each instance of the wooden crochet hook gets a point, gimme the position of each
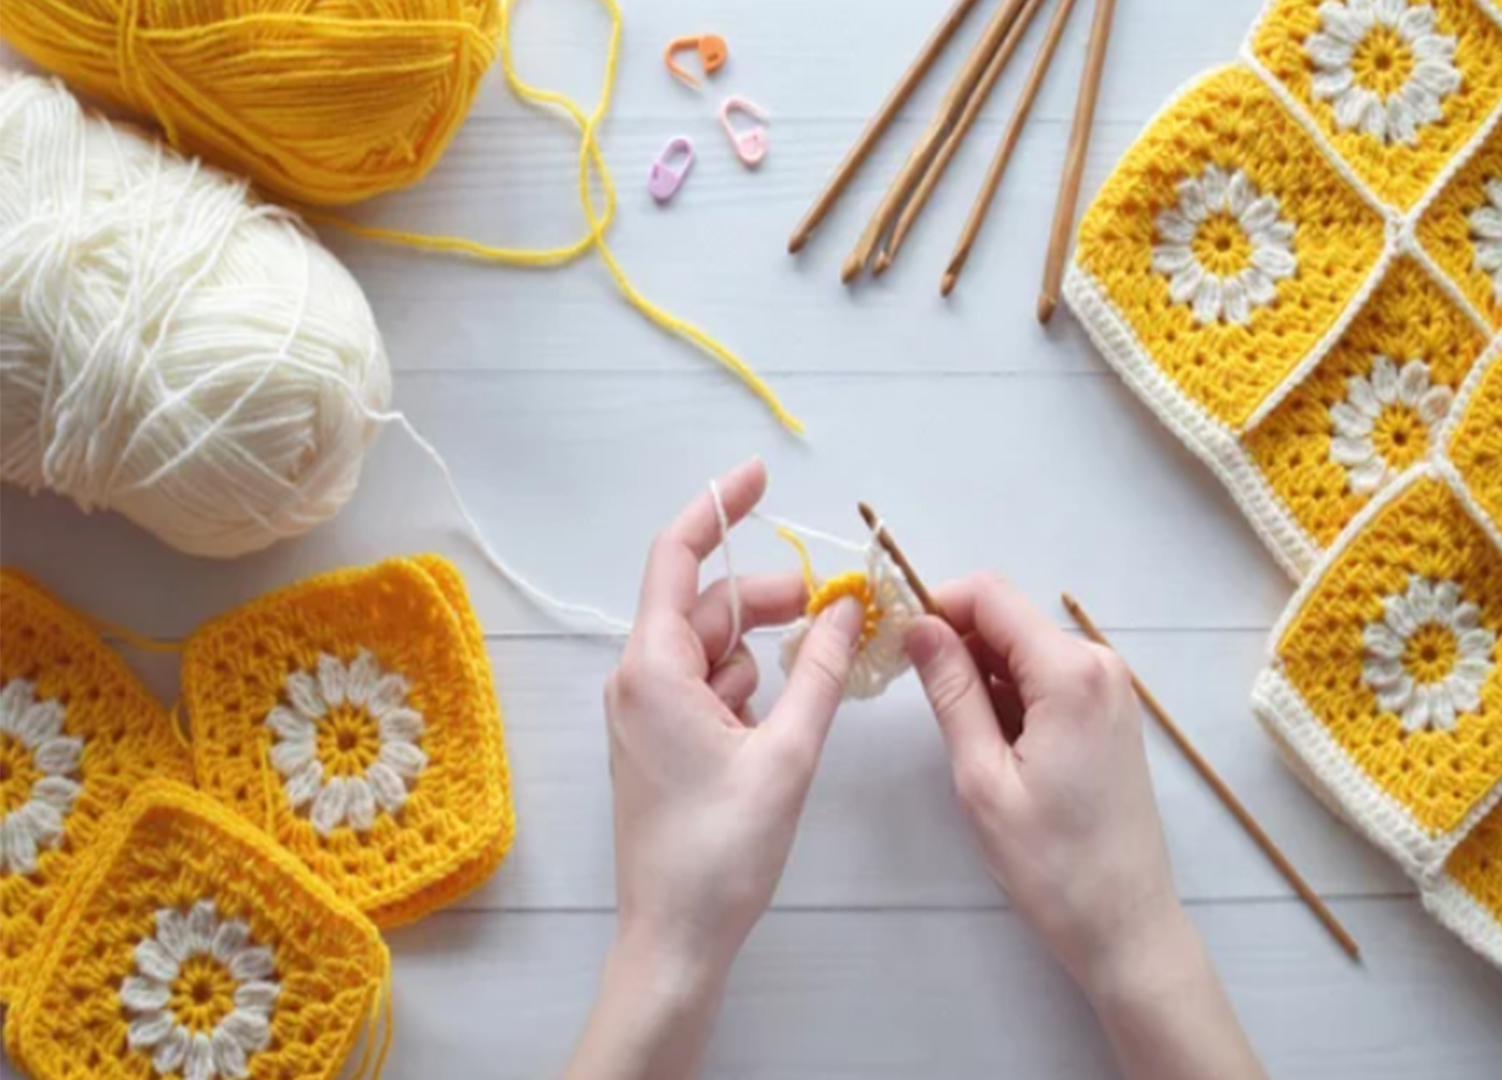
(1225, 794)
(889, 545)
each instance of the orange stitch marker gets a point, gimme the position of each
(713, 52)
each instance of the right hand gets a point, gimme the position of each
(1044, 734)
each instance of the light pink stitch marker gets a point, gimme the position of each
(664, 180)
(749, 145)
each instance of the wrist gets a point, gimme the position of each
(667, 981)
(1148, 956)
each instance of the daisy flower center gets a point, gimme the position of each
(1400, 436)
(18, 773)
(1221, 246)
(1383, 63)
(349, 741)
(857, 587)
(203, 994)
(1431, 654)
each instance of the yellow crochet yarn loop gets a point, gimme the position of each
(589, 154)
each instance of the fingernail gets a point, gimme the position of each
(923, 642)
(847, 617)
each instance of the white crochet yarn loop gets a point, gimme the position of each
(169, 348)
(32, 739)
(1486, 232)
(230, 963)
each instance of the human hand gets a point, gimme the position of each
(1064, 811)
(707, 803)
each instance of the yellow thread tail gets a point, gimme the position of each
(803, 557)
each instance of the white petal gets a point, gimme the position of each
(1351, 452)
(1487, 223)
(1364, 12)
(1329, 52)
(1238, 307)
(1489, 257)
(291, 725)
(1399, 614)
(1350, 422)
(140, 994)
(1260, 214)
(407, 760)
(172, 934)
(1238, 194)
(333, 679)
(199, 1064)
(171, 1051)
(390, 694)
(302, 786)
(303, 693)
(1259, 287)
(1382, 673)
(360, 808)
(401, 725)
(1175, 228)
(1477, 643)
(59, 756)
(155, 961)
(1380, 641)
(1437, 77)
(229, 939)
(1434, 406)
(147, 1030)
(1330, 84)
(387, 786)
(1385, 380)
(1402, 123)
(252, 965)
(1395, 699)
(1390, 12)
(1466, 617)
(1192, 203)
(1446, 602)
(1351, 107)
(258, 996)
(329, 806)
(1207, 304)
(1417, 22)
(44, 820)
(1421, 601)
(1494, 192)
(1435, 47)
(289, 757)
(247, 1028)
(1169, 259)
(58, 791)
(1374, 120)
(15, 697)
(1362, 397)
(40, 722)
(1186, 283)
(1368, 477)
(1413, 383)
(1340, 24)
(363, 673)
(18, 849)
(229, 1055)
(1425, 105)
(203, 924)
(1216, 183)
(1275, 262)
(1416, 716)
(1441, 711)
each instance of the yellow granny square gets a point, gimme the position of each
(1476, 439)
(78, 734)
(1397, 87)
(1467, 897)
(1220, 255)
(1370, 411)
(1385, 679)
(353, 715)
(191, 946)
(1462, 229)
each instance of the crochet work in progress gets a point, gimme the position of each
(1298, 266)
(354, 715)
(192, 946)
(78, 734)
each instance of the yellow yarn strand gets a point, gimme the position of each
(804, 561)
(599, 223)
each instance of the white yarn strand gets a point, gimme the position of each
(732, 586)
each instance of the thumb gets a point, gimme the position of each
(958, 692)
(816, 683)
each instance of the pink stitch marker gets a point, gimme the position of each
(749, 145)
(663, 179)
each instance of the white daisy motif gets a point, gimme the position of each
(1224, 247)
(1486, 230)
(1383, 66)
(1429, 657)
(890, 609)
(346, 743)
(38, 776)
(201, 997)
(1386, 422)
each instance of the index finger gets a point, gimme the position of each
(670, 584)
(1032, 648)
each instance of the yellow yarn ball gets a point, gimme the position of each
(324, 101)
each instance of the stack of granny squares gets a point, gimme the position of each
(1298, 266)
(209, 905)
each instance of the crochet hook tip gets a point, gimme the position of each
(852, 268)
(1047, 305)
(947, 284)
(797, 242)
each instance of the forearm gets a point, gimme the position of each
(652, 1019)
(1167, 1015)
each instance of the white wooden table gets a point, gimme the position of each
(575, 429)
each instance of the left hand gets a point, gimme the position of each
(707, 802)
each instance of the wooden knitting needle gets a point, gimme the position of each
(1225, 794)
(951, 144)
(878, 125)
(1074, 165)
(912, 169)
(914, 582)
(1004, 152)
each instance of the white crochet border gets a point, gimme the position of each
(1459, 912)
(1278, 704)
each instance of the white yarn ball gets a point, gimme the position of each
(170, 348)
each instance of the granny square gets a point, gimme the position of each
(192, 946)
(1461, 230)
(78, 734)
(354, 717)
